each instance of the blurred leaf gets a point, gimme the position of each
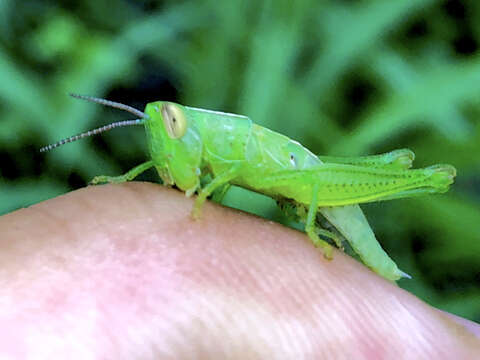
(455, 222)
(402, 77)
(447, 84)
(363, 26)
(25, 193)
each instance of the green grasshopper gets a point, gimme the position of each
(205, 152)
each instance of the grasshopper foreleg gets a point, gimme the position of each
(219, 193)
(217, 182)
(130, 175)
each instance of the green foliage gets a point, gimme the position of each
(343, 78)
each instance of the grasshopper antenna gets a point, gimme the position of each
(99, 130)
(93, 132)
(113, 104)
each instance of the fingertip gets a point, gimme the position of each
(226, 283)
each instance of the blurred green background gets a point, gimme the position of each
(341, 77)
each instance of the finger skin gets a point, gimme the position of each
(123, 272)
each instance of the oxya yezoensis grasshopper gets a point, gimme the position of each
(190, 146)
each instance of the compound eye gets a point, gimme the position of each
(174, 120)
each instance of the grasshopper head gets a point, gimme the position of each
(175, 144)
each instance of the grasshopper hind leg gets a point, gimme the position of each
(310, 227)
(335, 238)
(313, 228)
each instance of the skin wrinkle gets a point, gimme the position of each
(403, 318)
(280, 277)
(245, 318)
(378, 310)
(347, 315)
(147, 281)
(262, 282)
